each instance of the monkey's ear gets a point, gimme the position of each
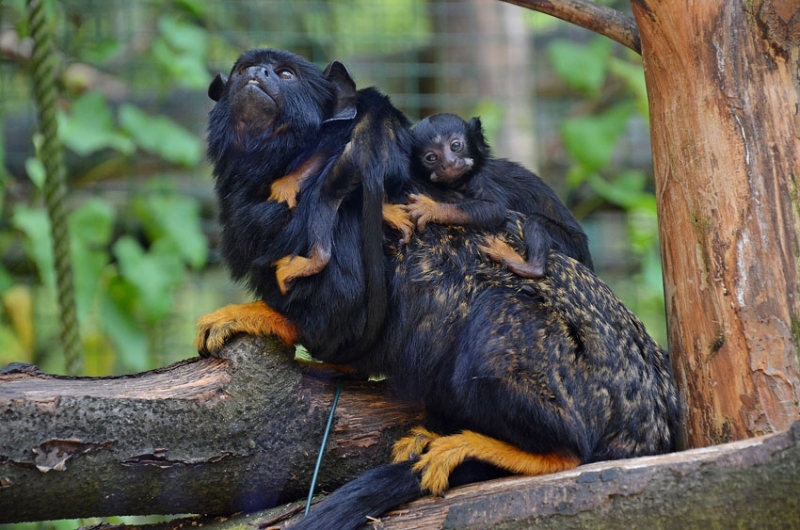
(475, 128)
(345, 106)
(217, 86)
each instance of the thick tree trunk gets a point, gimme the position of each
(202, 436)
(722, 79)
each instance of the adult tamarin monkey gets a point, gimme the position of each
(518, 375)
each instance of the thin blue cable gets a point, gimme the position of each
(322, 447)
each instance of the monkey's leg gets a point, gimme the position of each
(286, 189)
(256, 318)
(396, 216)
(448, 452)
(289, 268)
(411, 446)
(501, 252)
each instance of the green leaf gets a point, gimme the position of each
(175, 218)
(182, 51)
(36, 172)
(92, 223)
(633, 77)
(625, 191)
(591, 140)
(119, 324)
(34, 224)
(89, 127)
(161, 136)
(152, 274)
(90, 228)
(581, 66)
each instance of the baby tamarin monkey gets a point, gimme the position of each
(453, 154)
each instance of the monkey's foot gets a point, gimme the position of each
(413, 445)
(501, 252)
(448, 452)
(396, 216)
(425, 210)
(289, 268)
(257, 318)
(286, 189)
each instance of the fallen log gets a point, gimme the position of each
(208, 436)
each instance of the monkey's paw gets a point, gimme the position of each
(396, 216)
(422, 209)
(285, 189)
(257, 318)
(412, 446)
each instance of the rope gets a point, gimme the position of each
(55, 190)
(322, 447)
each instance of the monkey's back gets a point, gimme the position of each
(548, 365)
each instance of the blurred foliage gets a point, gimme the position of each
(124, 279)
(592, 138)
(134, 257)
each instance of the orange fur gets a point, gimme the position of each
(286, 189)
(501, 252)
(425, 210)
(289, 268)
(448, 452)
(410, 447)
(397, 216)
(256, 318)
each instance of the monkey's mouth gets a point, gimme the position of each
(256, 84)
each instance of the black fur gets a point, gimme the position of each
(264, 127)
(488, 187)
(556, 364)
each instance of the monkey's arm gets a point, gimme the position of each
(467, 212)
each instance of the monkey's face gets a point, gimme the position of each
(270, 91)
(447, 159)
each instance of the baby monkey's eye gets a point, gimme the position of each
(456, 146)
(431, 158)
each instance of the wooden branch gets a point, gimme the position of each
(595, 17)
(747, 484)
(238, 433)
(241, 433)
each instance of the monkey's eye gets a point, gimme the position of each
(431, 158)
(285, 73)
(242, 68)
(456, 146)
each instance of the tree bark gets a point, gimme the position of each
(237, 433)
(241, 433)
(722, 78)
(747, 484)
